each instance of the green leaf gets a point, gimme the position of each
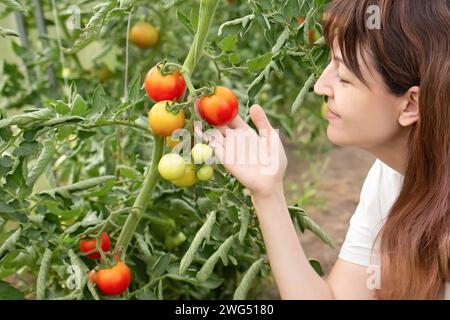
(259, 63)
(41, 283)
(9, 243)
(62, 108)
(202, 234)
(26, 148)
(8, 292)
(45, 157)
(307, 223)
(13, 4)
(160, 266)
(317, 267)
(298, 102)
(234, 58)
(209, 265)
(229, 43)
(186, 22)
(26, 118)
(6, 208)
(248, 280)
(129, 172)
(79, 106)
(8, 33)
(78, 186)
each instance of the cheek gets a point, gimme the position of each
(365, 122)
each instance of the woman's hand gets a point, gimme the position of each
(256, 159)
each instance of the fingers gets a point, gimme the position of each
(218, 150)
(238, 123)
(260, 120)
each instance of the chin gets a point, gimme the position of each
(337, 138)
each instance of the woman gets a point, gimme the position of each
(388, 92)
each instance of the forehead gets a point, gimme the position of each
(366, 64)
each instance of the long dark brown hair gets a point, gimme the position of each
(411, 48)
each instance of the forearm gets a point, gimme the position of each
(295, 277)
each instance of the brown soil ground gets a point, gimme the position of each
(339, 186)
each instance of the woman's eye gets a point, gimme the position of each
(342, 80)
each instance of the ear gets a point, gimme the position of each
(409, 112)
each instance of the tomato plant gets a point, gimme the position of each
(80, 148)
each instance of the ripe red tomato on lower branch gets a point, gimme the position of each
(114, 280)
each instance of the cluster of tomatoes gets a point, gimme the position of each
(111, 280)
(166, 88)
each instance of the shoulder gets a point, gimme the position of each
(379, 192)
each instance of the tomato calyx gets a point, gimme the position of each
(166, 68)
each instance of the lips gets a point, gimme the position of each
(333, 112)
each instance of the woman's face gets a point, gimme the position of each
(366, 116)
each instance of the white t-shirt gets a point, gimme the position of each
(379, 192)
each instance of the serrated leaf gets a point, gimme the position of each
(79, 106)
(259, 63)
(202, 234)
(209, 265)
(228, 44)
(78, 186)
(9, 243)
(160, 266)
(186, 22)
(41, 282)
(45, 157)
(248, 280)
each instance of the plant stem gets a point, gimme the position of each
(206, 15)
(143, 197)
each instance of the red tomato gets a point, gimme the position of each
(114, 280)
(164, 87)
(219, 108)
(90, 244)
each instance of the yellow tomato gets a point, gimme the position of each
(162, 121)
(144, 35)
(188, 179)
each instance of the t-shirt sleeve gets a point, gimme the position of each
(357, 246)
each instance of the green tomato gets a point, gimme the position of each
(201, 153)
(188, 179)
(171, 166)
(205, 173)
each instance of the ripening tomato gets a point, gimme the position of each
(201, 153)
(171, 166)
(313, 35)
(144, 35)
(114, 280)
(188, 179)
(90, 244)
(164, 87)
(205, 173)
(162, 121)
(219, 108)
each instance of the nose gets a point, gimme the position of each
(323, 85)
